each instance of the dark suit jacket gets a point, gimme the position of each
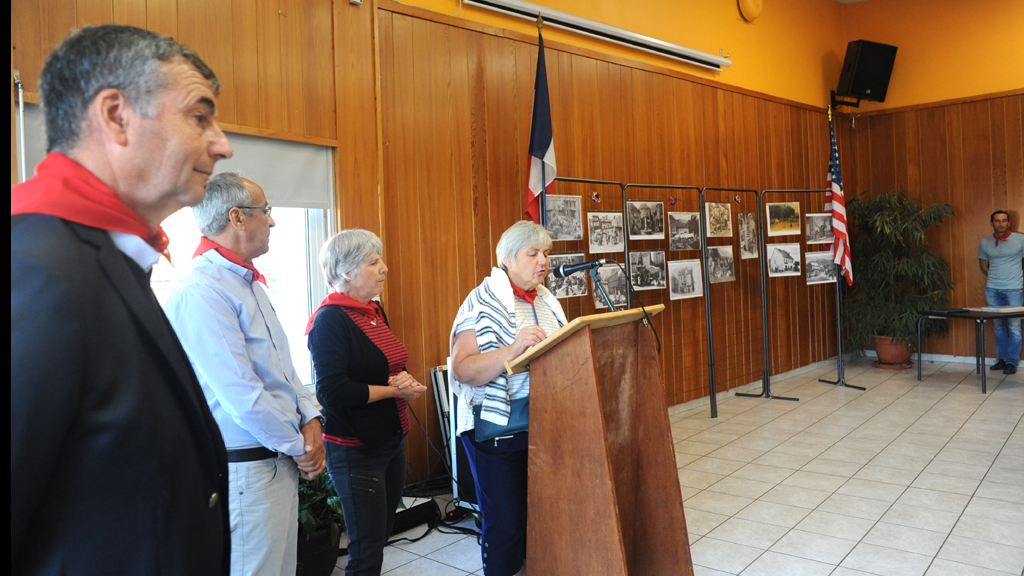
(117, 466)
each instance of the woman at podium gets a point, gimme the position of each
(507, 314)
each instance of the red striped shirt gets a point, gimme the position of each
(396, 353)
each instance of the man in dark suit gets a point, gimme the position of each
(117, 466)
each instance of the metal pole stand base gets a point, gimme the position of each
(766, 391)
(841, 383)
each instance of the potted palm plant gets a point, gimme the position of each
(897, 275)
(320, 523)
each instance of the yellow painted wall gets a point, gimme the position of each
(947, 48)
(792, 51)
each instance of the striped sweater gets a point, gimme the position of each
(490, 311)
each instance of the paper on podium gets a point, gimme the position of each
(520, 363)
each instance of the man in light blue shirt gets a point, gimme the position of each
(1001, 256)
(239, 351)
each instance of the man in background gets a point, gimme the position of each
(237, 346)
(117, 466)
(1001, 256)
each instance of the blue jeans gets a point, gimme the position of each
(369, 482)
(1008, 334)
(499, 468)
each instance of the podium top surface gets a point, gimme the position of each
(521, 363)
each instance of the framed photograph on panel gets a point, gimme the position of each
(783, 260)
(719, 215)
(614, 282)
(647, 270)
(819, 228)
(646, 220)
(783, 218)
(572, 285)
(721, 265)
(821, 269)
(684, 280)
(748, 235)
(684, 231)
(605, 232)
(565, 217)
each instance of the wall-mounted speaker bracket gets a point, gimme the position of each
(836, 102)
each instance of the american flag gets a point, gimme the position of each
(836, 203)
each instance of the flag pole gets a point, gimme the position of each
(840, 363)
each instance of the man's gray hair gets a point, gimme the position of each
(99, 57)
(224, 191)
(520, 235)
(344, 252)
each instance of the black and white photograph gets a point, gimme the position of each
(719, 215)
(647, 270)
(646, 220)
(684, 279)
(572, 285)
(819, 228)
(748, 235)
(721, 265)
(684, 231)
(565, 217)
(783, 260)
(605, 232)
(783, 218)
(614, 282)
(821, 269)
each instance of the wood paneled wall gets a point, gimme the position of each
(967, 153)
(456, 103)
(274, 58)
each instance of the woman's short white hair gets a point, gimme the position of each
(520, 235)
(344, 252)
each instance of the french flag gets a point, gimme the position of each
(542, 140)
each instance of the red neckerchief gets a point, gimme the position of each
(528, 296)
(206, 245)
(64, 188)
(370, 311)
(1004, 237)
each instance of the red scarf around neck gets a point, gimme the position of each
(206, 245)
(64, 188)
(1005, 237)
(528, 296)
(370, 311)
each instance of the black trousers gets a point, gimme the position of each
(499, 468)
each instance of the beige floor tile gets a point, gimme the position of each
(836, 525)
(741, 487)
(717, 503)
(871, 489)
(985, 554)
(998, 531)
(942, 567)
(815, 481)
(700, 522)
(1000, 491)
(774, 564)
(833, 467)
(760, 472)
(425, 567)
(924, 518)
(888, 475)
(796, 496)
(854, 506)
(721, 555)
(886, 561)
(464, 555)
(773, 513)
(817, 547)
(714, 465)
(935, 500)
(748, 533)
(697, 479)
(905, 538)
(928, 481)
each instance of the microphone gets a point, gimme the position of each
(567, 269)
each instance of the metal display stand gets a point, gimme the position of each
(707, 308)
(840, 367)
(766, 386)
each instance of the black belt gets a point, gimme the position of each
(250, 454)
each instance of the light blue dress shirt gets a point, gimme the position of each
(239, 351)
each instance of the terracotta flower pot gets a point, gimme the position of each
(892, 355)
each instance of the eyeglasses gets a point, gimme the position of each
(265, 209)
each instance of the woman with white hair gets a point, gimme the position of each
(507, 314)
(363, 387)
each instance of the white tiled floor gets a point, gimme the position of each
(906, 479)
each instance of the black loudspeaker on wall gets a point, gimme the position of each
(866, 70)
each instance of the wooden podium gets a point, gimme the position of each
(604, 494)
